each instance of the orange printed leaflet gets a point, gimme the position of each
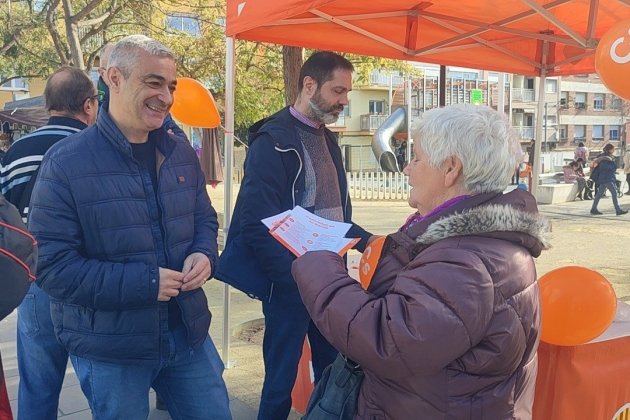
(301, 231)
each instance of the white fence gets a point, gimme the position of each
(378, 185)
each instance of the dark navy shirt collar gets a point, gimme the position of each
(67, 121)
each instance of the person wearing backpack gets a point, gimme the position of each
(18, 259)
(71, 102)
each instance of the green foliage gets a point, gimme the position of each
(26, 47)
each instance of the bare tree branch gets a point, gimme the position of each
(25, 76)
(54, 34)
(11, 42)
(83, 13)
(107, 16)
(104, 24)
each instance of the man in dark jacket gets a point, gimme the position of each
(127, 238)
(605, 178)
(71, 103)
(292, 160)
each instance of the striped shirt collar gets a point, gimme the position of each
(304, 119)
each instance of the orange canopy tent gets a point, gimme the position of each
(532, 37)
(501, 35)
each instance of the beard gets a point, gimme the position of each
(322, 111)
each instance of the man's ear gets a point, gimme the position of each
(453, 169)
(90, 107)
(309, 86)
(114, 77)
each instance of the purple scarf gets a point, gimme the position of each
(417, 217)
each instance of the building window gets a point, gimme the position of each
(598, 132)
(613, 132)
(615, 103)
(551, 85)
(183, 23)
(346, 111)
(563, 132)
(598, 101)
(564, 100)
(15, 84)
(580, 100)
(549, 121)
(580, 133)
(376, 107)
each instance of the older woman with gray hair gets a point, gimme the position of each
(449, 326)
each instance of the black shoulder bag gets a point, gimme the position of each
(336, 394)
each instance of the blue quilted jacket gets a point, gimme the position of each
(96, 218)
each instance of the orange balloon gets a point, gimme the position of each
(369, 261)
(194, 105)
(612, 59)
(578, 305)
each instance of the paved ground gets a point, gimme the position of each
(598, 242)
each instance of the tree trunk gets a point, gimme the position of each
(72, 34)
(291, 64)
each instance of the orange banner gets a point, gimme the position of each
(589, 381)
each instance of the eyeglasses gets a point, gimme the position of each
(91, 97)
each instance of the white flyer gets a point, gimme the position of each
(301, 231)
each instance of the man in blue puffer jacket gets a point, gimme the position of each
(127, 238)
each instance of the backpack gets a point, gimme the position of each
(18, 256)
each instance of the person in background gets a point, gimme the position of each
(293, 159)
(626, 168)
(449, 325)
(581, 152)
(71, 102)
(605, 177)
(127, 238)
(573, 173)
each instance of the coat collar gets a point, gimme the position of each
(163, 141)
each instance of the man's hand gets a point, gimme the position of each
(170, 283)
(197, 269)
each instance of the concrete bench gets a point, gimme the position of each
(556, 193)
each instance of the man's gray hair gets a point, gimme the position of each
(125, 53)
(479, 136)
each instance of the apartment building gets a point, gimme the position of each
(575, 108)
(371, 102)
(589, 113)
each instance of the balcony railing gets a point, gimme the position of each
(371, 122)
(341, 122)
(526, 132)
(382, 79)
(523, 95)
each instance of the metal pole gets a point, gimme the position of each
(501, 92)
(229, 163)
(408, 151)
(391, 92)
(442, 87)
(545, 126)
(541, 100)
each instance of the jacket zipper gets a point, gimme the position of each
(298, 172)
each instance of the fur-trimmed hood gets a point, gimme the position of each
(513, 217)
(488, 219)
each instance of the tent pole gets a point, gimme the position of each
(442, 88)
(539, 112)
(229, 163)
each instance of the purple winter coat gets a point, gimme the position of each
(449, 326)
